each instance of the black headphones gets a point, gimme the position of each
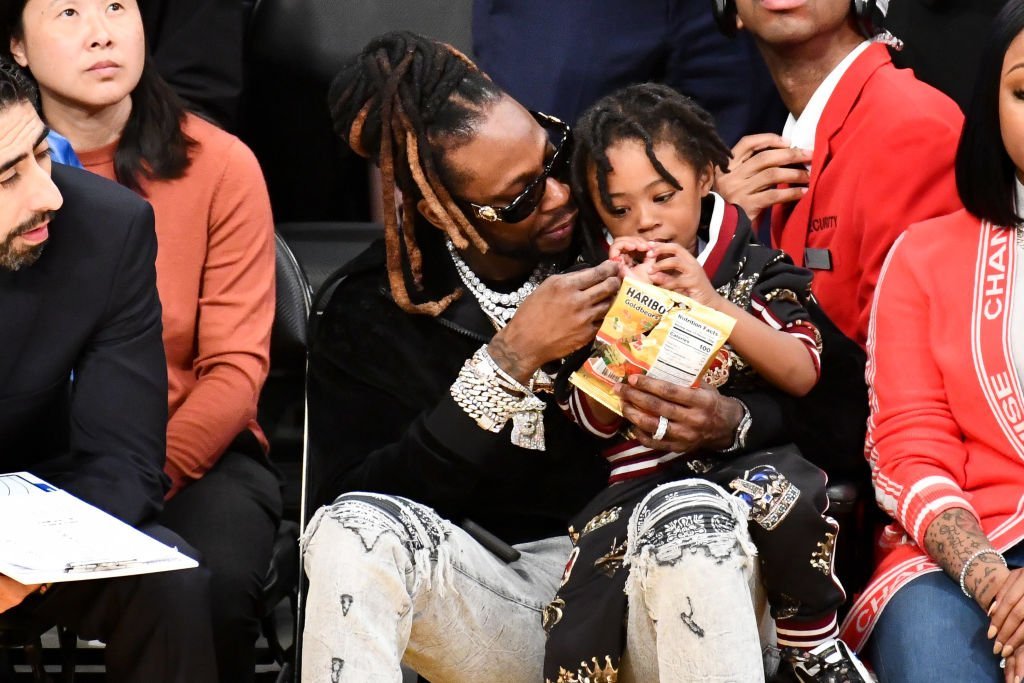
(870, 15)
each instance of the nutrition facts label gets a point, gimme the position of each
(686, 350)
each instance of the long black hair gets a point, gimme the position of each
(649, 113)
(984, 171)
(402, 102)
(153, 144)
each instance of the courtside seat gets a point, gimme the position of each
(323, 247)
(316, 249)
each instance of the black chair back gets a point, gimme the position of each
(322, 248)
(282, 416)
(314, 37)
(294, 298)
(282, 402)
(316, 250)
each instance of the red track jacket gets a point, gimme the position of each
(947, 408)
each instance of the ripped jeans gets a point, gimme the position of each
(390, 581)
(697, 609)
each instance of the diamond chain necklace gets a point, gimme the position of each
(499, 306)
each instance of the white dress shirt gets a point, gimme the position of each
(800, 131)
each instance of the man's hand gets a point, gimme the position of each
(13, 593)
(562, 315)
(698, 417)
(759, 163)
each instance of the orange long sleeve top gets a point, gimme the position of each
(215, 277)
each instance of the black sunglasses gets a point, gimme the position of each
(526, 201)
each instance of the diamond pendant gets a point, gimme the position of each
(528, 429)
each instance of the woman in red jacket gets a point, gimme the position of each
(946, 434)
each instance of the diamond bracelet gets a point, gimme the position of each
(490, 396)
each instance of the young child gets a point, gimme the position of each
(643, 167)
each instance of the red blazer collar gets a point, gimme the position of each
(838, 109)
(846, 95)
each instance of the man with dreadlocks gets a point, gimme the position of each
(429, 376)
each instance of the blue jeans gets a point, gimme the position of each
(930, 632)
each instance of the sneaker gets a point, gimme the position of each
(831, 662)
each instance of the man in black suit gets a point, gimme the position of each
(83, 392)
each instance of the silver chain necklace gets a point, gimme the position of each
(498, 306)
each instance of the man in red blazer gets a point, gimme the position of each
(867, 151)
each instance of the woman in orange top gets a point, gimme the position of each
(215, 276)
(946, 433)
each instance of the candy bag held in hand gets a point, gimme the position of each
(650, 330)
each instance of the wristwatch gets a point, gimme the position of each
(739, 440)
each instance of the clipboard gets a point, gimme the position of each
(48, 535)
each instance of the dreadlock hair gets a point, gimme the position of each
(402, 102)
(649, 113)
(153, 143)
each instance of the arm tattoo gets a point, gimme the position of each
(509, 360)
(951, 539)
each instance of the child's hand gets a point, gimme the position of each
(630, 250)
(676, 269)
(633, 256)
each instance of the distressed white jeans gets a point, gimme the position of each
(390, 581)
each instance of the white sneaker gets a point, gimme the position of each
(831, 662)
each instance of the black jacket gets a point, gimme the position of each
(382, 418)
(83, 380)
(829, 424)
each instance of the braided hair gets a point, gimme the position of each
(649, 113)
(402, 102)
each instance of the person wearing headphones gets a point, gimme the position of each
(867, 150)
